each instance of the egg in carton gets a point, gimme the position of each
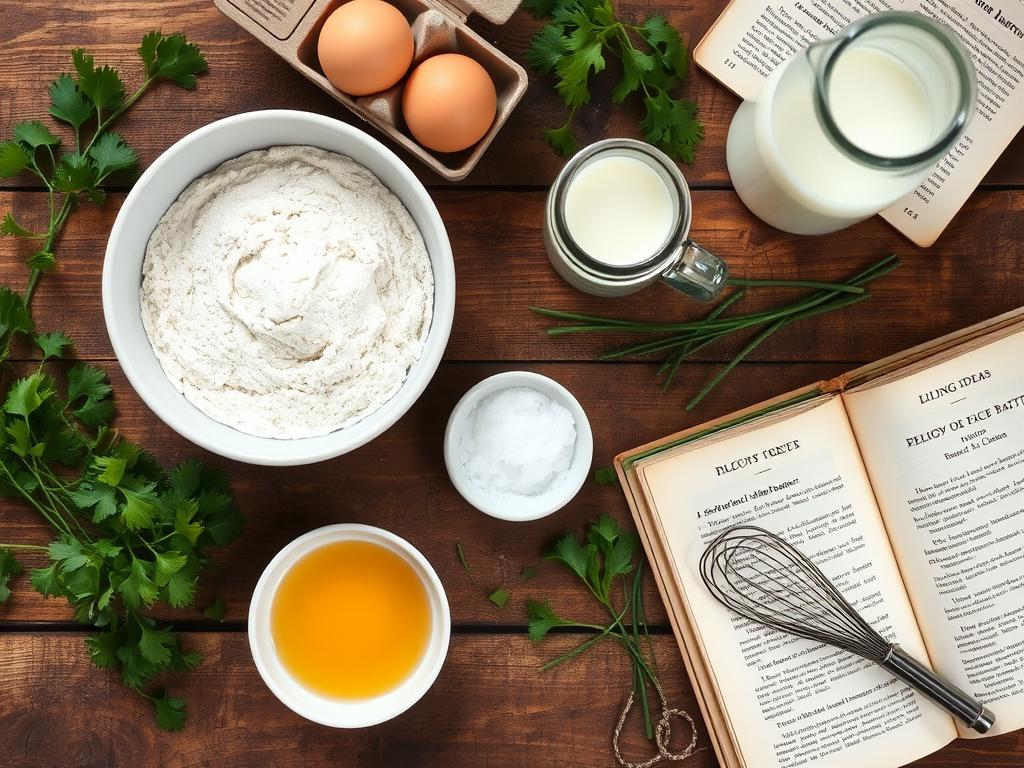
(291, 28)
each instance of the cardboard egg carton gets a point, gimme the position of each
(291, 29)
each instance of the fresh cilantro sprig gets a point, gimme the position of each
(576, 45)
(89, 101)
(602, 561)
(129, 534)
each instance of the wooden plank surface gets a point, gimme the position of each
(502, 270)
(491, 706)
(624, 408)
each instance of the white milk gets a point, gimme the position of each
(619, 210)
(790, 173)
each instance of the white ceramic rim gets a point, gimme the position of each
(552, 500)
(260, 450)
(340, 713)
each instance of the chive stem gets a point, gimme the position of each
(681, 340)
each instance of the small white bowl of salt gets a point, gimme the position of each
(518, 446)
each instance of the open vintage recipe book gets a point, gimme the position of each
(752, 37)
(904, 482)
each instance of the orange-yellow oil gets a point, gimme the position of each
(351, 620)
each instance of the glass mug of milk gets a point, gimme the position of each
(850, 125)
(618, 220)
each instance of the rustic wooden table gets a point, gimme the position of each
(491, 706)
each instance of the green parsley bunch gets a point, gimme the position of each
(653, 59)
(129, 533)
(602, 561)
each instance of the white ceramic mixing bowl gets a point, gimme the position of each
(162, 183)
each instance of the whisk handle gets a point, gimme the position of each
(955, 701)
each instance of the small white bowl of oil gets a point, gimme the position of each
(349, 626)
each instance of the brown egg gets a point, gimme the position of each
(449, 103)
(365, 46)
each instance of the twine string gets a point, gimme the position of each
(662, 732)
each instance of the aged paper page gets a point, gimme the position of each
(791, 702)
(945, 451)
(754, 36)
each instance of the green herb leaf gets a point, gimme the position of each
(185, 478)
(542, 619)
(112, 469)
(9, 567)
(35, 134)
(26, 395)
(87, 381)
(540, 8)
(561, 139)
(224, 524)
(138, 589)
(46, 581)
(215, 610)
(606, 476)
(499, 597)
(155, 644)
(185, 526)
(52, 344)
(172, 57)
(42, 261)
(95, 413)
(166, 565)
(68, 103)
(110, 153)
(73, 173)
(14, 315)
(170, 713)
(99, 498)
(8, 226)
(576, 45)
(671, 125)
(102, 85)
(138, 511)
(102, 648)
(181, 590)
(606, 528)
(68, 553)
(571, 553)
(13, 159)
(107, 548)
(574, 72)
(528, 573)
(460, 553)
(546, 49)
(635, 64)
(667, 43)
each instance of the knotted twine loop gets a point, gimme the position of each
(662, 733)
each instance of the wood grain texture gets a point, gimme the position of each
(245, 76)
(417, 501)
(490, 707)
(975, 271)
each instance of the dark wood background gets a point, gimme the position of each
(491, 706)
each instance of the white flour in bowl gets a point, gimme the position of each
(287, 293)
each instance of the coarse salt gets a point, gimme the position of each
(517, 442)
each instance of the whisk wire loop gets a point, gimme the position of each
(765, 579)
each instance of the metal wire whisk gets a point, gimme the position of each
(764, 578)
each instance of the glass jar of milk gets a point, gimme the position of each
(618, 219)
(850, 125)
